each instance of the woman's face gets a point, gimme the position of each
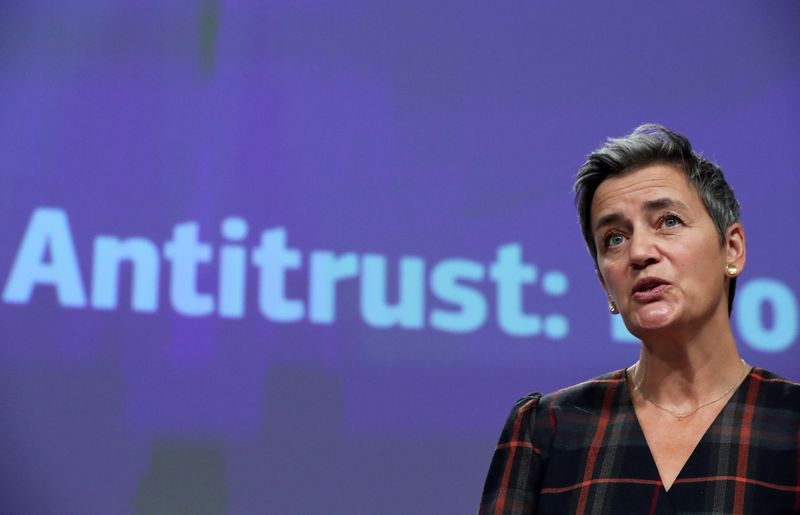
(658, 251)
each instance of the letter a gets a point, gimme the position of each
(48, 230)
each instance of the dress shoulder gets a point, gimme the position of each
(587, 396)
(515, 474)
(766, 376)
(526, 405)
(521, 422)
(513, 484)
(775, 391)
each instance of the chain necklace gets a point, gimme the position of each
(687, 414)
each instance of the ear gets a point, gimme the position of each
(602, 281)
(735, 248)
(612, 304)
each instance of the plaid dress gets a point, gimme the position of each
(581, 450)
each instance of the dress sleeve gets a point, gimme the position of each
(514, 479)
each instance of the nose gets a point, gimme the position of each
(643, 249)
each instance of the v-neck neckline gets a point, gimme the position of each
(627, 400)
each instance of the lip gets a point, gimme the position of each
(649, 288)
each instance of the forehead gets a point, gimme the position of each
(631, 190)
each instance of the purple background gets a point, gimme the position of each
(437, 130)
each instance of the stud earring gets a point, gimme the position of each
(731, 269)
(612, 307)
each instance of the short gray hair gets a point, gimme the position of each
(650, 144)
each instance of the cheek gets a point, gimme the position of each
(614, 281)
(703, 272)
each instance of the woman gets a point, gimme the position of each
(690, 427)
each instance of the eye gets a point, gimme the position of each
(670, 221)
(613, 239)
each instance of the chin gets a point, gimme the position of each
(651, 317)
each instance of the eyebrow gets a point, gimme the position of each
(649, 206)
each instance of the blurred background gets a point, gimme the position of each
(302, 257)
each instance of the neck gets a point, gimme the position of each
(683, 369)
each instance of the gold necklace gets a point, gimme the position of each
(682, 416)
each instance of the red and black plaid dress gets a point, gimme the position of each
(581, 450)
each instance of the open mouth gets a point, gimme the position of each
(649, 288)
